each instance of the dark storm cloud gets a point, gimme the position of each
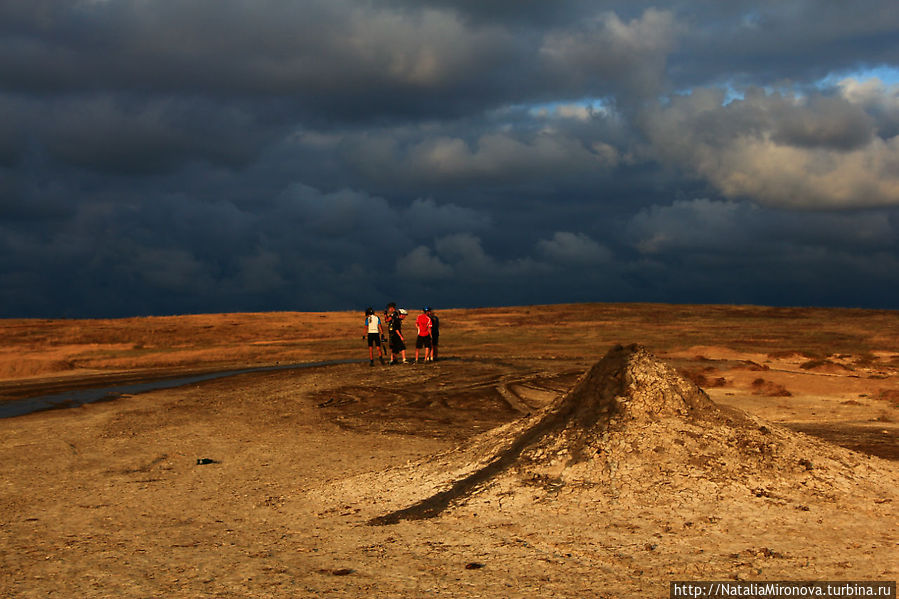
(334, 58)
(330, 50)
(204, 155)
(742, 228)
(764, 256)
(303, 248)
(490, 158)
(765, 42)
(128, 134)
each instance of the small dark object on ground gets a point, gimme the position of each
(337, 571)
(474, 565)
(204, 461)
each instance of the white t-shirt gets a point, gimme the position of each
(373, 323)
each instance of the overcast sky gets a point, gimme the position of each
(177, 156)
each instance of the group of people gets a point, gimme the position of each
(427, 327)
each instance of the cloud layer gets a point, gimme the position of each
(199, 155)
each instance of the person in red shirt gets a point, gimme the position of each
(423, 324)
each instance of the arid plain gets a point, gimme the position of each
(536, 458)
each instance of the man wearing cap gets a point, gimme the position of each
(395, 330)
(389, 314)
(423, 324)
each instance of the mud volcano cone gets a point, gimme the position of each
(629, 386)
(631, 427)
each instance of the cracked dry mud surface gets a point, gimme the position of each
(109, 499)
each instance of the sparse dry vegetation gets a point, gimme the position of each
(889, 395)
(769, 389)
(825, 366)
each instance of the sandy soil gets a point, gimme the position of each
(111, 499)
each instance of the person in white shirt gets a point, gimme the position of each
(373, 334)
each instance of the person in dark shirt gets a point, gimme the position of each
(435, 334)
(397, 340)
(389, 314)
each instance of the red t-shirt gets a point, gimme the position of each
(423, 323)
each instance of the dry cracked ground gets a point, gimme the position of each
(537, 458)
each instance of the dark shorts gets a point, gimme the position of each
(396, 344)
(374, 339)
(422, 342)
(435, 339)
